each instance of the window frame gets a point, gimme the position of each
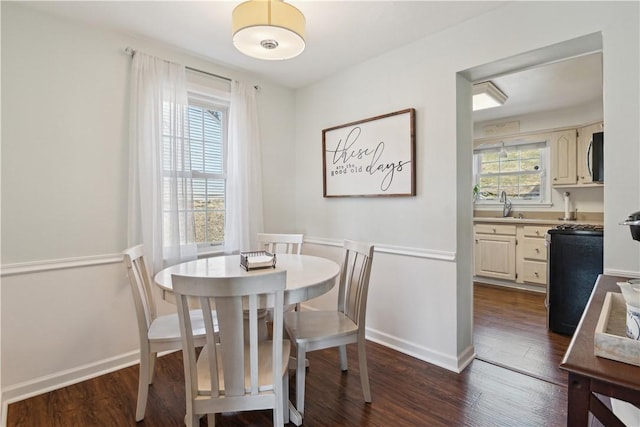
(211, 102)
(207, 98)
(545, 181)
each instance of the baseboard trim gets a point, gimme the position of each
(65, 378)
(419, 352)
(466, 357)
(623, 273)
(388, 249)
(541, 289)
(422, 353)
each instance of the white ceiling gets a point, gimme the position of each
(562, 84)
(339, 34)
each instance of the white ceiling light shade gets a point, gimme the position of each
(487, 95)
(268, 29)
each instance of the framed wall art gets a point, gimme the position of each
(371, 158)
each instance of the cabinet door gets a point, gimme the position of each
(495, 256)
(584, 166)
(563, 157)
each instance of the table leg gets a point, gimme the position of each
(578, 401)
(294, 416)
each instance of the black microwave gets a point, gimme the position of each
(597, 157)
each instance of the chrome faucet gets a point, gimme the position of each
(506, 208)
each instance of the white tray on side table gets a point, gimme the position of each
(611, 339)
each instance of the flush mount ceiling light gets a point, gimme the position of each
(487, 95)
(268, 29)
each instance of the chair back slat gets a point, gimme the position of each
(231, 348)
(354, 280)
(209, 322)
(280, 243)
(140, 286)
(191, 378)
(253, 347)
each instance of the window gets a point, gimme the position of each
(207, 136)
(519, 169)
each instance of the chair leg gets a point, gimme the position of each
(278, 408)
(152, 366)
(285, 396)
(300, 377)
(143, 384)
(364, 373)
(343, 357)
(211, 420)
(193, 420)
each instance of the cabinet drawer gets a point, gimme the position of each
(536, 230)
(509, 230)
(535, 248)
(535, 272)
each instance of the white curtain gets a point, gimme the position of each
(160, 198)
(244, 173)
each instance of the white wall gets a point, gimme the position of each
(575, 116)
(66, 304)
(422, 75)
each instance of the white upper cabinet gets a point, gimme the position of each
(563, 157)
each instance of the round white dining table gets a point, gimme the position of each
(307, 276)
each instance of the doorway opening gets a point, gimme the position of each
(509, 318)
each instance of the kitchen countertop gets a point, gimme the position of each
(530, 221)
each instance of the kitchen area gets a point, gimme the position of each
(539, 185)
(538, 236)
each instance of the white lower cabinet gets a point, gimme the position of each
(532, 256)
(495, 251)
(511, 252)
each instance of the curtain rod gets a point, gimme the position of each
(129, 51)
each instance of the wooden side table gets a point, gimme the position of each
(590, 374)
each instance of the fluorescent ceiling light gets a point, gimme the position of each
(268, 29)
(487, 95)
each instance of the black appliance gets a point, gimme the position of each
(597, 157)
(633, 221)
(575, 255)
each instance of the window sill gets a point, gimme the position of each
(494, 206)
(211, 251)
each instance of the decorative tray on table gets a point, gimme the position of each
(257, 259)
(610, 340)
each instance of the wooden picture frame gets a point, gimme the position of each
(373, 157)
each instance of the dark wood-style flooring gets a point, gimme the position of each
(406, 392)
(510, 330)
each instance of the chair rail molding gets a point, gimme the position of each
(58, 264)
(389, 249)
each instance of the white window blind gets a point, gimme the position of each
(205, 166)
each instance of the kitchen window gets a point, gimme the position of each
(204, 170)
(519, 169)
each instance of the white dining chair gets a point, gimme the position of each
(240, 372)
(278, 243)
(281, 243)
(317, 330)
(156, 333)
